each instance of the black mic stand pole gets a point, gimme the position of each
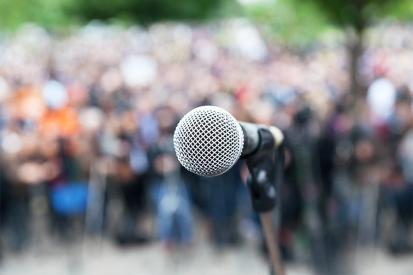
(266, 168)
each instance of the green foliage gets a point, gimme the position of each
(144, 11)
(56, 13)
(295, 21)
(46, 12)
(285, 21)
(400, 10)
(359, 14)
(299, 22)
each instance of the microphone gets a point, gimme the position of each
(208, 140)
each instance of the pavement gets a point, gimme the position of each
(104, 258)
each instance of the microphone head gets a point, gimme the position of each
(208, 141)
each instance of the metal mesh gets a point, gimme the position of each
(208, 141)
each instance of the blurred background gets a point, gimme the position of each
(91, 91)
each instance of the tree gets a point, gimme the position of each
(355, 16)
(309, 17)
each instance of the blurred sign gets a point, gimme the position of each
(139, 70)
(54, 94)
(381, 97)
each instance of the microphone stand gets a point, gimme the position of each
(266, 166)
(272, 244)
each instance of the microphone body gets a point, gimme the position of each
(208, 140)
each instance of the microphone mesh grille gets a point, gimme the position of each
(208, 141)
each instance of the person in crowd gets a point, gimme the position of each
(173, 214)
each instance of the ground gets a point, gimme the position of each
(104, 258)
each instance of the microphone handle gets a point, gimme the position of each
(252, 138)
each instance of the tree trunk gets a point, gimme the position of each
(355, 52)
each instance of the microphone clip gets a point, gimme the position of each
(266, 167)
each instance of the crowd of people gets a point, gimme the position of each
(87, 118)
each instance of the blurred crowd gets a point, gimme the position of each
(87, 118)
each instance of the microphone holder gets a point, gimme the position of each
(266, 166)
